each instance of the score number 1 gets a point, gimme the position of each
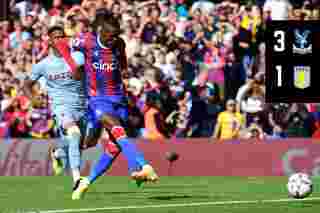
(280, 41)
(279, 75)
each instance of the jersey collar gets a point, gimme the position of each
(100, 43)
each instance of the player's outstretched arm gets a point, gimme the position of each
(63, 47)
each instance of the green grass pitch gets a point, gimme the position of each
(171, 194)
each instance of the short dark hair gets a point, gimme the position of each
(108, 22)
(55, 28)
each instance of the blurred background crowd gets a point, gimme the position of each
(196, 68)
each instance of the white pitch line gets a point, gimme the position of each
(181, 205)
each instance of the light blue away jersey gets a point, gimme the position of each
(64, 92)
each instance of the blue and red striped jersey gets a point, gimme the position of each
(103, 65)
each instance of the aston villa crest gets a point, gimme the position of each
(302, 43)
(302, 77)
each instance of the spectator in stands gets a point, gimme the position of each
(280, 9)
(42, 123)
(251, 97)
(18, 36)
(277, 133)
(229, 122)
(254, 132)
(16, 115)
(154, 118)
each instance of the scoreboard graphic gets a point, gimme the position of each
(293, 62)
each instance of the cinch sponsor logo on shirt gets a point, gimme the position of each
(104, 67)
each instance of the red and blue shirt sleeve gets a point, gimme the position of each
(80, 42)
(67, 45)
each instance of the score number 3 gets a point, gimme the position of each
(280, 41)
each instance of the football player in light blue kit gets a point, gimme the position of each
(67, 100)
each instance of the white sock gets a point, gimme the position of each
(75, 174)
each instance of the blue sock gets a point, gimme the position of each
(135, 158)
(100, 167)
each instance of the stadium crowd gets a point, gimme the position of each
(196, 69)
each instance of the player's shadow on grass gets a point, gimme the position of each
(177, 197)
(115, 193)
(177, 186)
(103, 195)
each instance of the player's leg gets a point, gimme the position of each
(118, 134)
(113, 119)
(109, 154)
(139, 168)
(58, 152)
(94, 133)
(59, 158)
(104, 163)
(73, 136)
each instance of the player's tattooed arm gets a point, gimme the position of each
(123, 59)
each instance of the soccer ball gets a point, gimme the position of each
(299, 185)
